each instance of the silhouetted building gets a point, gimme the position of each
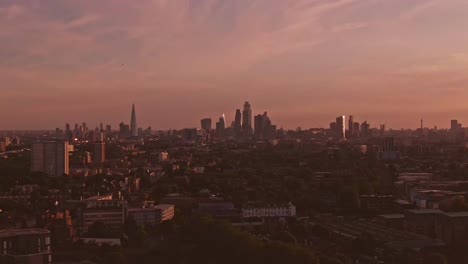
(220, 126)
(99, 154)
(50, 157)
(206, 124)
(124, 130)
(351, 125)
(365, 129)
(340, 127)
(238, 123)
(247, 119)
(133, 123)
(356, 129)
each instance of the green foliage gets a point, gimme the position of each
(99, 230)
(218, 242)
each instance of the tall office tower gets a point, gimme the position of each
(247, 119)
(220, 126)
(84, 130)
(206, 124)
(259, 123)
(108, 130)
(356, 129)
(365, 129)
(454, 125)
(50, 157)
(351, 125)
(68, 132)
(124, 130)
(101, 126)
(133, 123)
(341, 127)
(99, 154)
(238, 123)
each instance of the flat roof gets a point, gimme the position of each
(20, 232)
(457, 214)
(163, 206)
(392, 216)
(425, 211)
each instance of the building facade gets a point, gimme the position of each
(50, 157)
(25, 246)
(254, 211)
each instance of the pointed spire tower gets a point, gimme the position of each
(133, 124)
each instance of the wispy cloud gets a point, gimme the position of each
(242, 48)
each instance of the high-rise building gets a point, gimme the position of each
(259, 125)
(124, 130)
(99, 154)
(133, 123)
(108, 130)
(206, 124)
(365, 131)
(263, 128)
(341, 127)
(68, 132)
(351, 125)
(238, 123)
(247, 119)
(453, 125)
(220, 126)
(50, 157)
(356, 129)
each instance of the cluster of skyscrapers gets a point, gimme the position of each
(355, 129)
(52, 157)
(242, 126)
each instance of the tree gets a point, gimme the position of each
(99, 230)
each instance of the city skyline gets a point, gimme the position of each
(306, 61)
(344, 122)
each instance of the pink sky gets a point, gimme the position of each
(303, 61)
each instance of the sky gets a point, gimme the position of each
(303, 61)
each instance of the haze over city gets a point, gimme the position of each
(303, 61)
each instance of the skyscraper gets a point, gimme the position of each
(50, 157)
(247, 119)
(453, 125)
(99, 154)
(220, 126)
(238, 122)
(206, 124)
(133, 123)
(365, 129)
(341, 127)
(351, 125)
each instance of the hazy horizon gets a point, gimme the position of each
(303, 61)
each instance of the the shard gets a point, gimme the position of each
(133, 124)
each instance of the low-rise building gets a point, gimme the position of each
(164, 212)
(111, 212)
(25, 246)
(259, 211)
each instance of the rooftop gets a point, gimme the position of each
(392, 216)
(457, 214)
(163, 206)
(21, 232)
(425, 211)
